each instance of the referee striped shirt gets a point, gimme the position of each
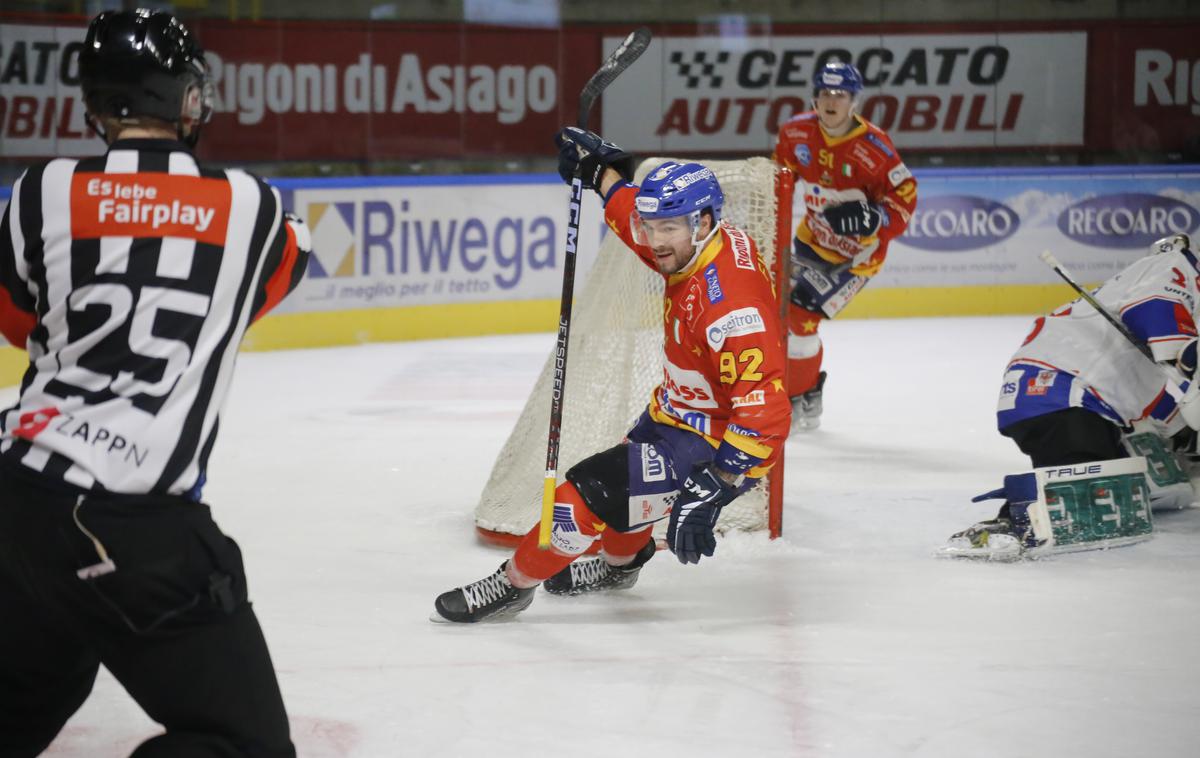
(131, 278)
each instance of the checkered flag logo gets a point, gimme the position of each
(700, 66)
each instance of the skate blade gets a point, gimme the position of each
(500, 617)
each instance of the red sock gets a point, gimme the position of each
(803, 373)
(540, 565)
(623, 544)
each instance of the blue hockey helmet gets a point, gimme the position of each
(680, 189)
(838, 75)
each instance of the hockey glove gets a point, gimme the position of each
(690, 530)
(1186, 360)
(588, 153)
(857, 218)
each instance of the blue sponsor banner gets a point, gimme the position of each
(988, 227)
(387, 241)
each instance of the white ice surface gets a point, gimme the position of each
(349, 475)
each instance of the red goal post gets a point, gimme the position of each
(616, 360)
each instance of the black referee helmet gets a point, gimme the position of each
(145, 63)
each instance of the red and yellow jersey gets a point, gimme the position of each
(723, 368)
(861, 165)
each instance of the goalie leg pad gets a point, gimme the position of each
(1086, 506)
(1098, 504)
(1170, 486)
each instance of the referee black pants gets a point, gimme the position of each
(172, 623)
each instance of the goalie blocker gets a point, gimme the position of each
(1062, 509)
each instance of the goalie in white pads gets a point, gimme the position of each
(715, 424)
(1085, 404)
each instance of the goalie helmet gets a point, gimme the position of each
(1176, 243)
(840, 76)
(680, 189)
(145, 63)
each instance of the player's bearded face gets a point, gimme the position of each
(671, 241)
(833, 109)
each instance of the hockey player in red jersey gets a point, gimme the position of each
(715, 424)
(858, 196)
(130, 278)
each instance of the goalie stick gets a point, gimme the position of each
(617, 61)
(1174, 386)
(1049, 259)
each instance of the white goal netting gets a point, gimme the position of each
(615, 359)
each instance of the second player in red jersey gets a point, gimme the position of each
(858, 196)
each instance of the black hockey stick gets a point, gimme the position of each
(1049, 259)
(619, 60)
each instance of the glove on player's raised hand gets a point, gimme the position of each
(857, 218)
(690, 530)
(587, 152)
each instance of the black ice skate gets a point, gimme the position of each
(492, 598)
(806, 408)
(597, 574)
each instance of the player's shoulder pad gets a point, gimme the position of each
(232, 173)
(268, 189)
(35, 171)
(800, 124)
(34, 174)
(878, 139)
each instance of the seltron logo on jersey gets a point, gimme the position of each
(733, 324)
(1127, 220)
(955, 223)
(149, 205)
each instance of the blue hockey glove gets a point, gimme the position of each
(857, 218)
(690, 530)
(587, 152)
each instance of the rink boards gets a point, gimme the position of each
(429, 257)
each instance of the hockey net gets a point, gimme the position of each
(615, 360)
